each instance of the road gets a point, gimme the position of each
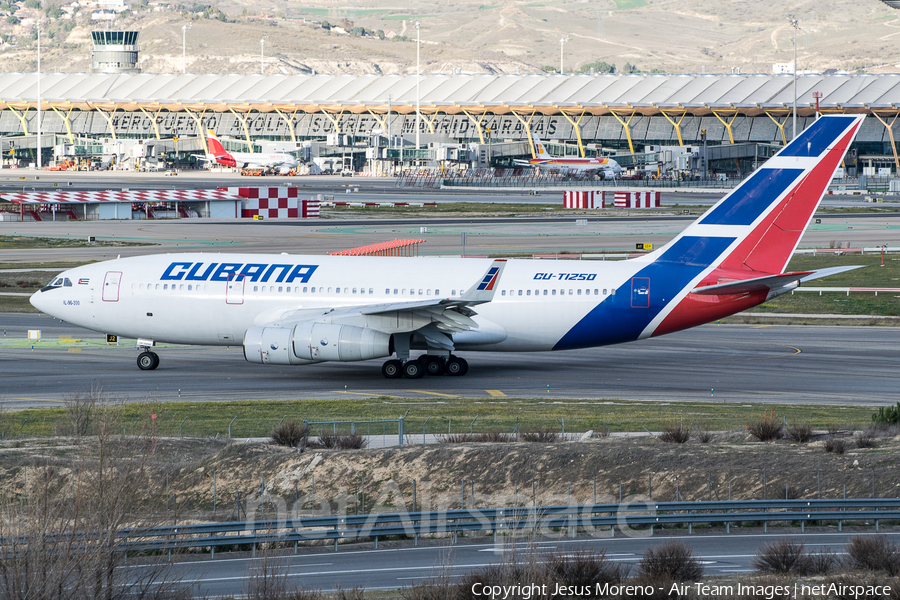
(389, 569)
(741, 363)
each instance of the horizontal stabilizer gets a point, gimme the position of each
(769, 282)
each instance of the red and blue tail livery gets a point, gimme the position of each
(420, 312)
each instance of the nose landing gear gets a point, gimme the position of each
(147, 361)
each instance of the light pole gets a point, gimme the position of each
(262, 57)
(39, 94)
(562, 42)
(184, 29)
(795, 25)
(417, 90)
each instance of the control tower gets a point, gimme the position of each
(114, 52)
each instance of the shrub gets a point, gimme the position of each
(291, 434)
(822, 563)
(343, 441)
(704, 435)
(889, 415)
(766, 430)
(800, 433)
(835, 445)
(782, 556)
(546, 436)
(675, 434)
(584, 568)
(864, 439)
(671, 559)
(874, 553)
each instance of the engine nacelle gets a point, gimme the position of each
(314, 342)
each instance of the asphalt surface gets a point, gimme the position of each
(733, 363)
(390, 569)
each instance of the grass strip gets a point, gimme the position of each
(256, 418)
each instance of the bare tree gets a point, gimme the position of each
(63, 537)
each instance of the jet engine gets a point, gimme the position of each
(314, 342)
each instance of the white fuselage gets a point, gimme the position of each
(535, 305)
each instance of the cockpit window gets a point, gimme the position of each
(57, 283)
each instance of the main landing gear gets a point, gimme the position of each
(147, 361)
(427, 364)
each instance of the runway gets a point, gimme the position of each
(741, 363)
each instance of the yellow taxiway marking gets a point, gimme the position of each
(434, 393)
(74, 349)
(496, 393)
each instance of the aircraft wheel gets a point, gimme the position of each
(392, 369)
(413, 369)
(147, 361)
(434, 365)
(457, 366)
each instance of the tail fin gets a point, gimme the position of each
(540, 149)
(213, 145)
(767, 214)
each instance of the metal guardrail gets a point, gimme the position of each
(636, 513)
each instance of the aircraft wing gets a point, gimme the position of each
(769, 282)
(449, 315)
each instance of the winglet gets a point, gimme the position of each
(483, 290)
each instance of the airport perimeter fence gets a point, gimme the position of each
(572, 420)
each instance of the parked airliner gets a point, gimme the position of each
(243, 160)
(294, 310)
(606, 168)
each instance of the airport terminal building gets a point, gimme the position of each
(584, 114)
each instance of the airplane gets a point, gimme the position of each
(606, 168)
(298, 310)
(280, 161)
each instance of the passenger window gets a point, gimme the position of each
(420, 292)
(395, 290)
(596, 292)
(132, 286)
(190, 287)
(437, 292)
(552, 292)
(329, 290)
(371, 291)
(545, 292)
(427, 292)
(503, 293)
(305, 289)
(579, 292)
(157, 286)
(528, 292)
(613, 291)
(279, 288)
(604, 291)
(452, 292)
(181, 287)
(354, 290)
(520, 292)
(571, 292)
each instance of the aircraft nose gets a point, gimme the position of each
(39, 300)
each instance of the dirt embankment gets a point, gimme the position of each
(497, 474)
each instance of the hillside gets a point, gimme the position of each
(506, 37)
